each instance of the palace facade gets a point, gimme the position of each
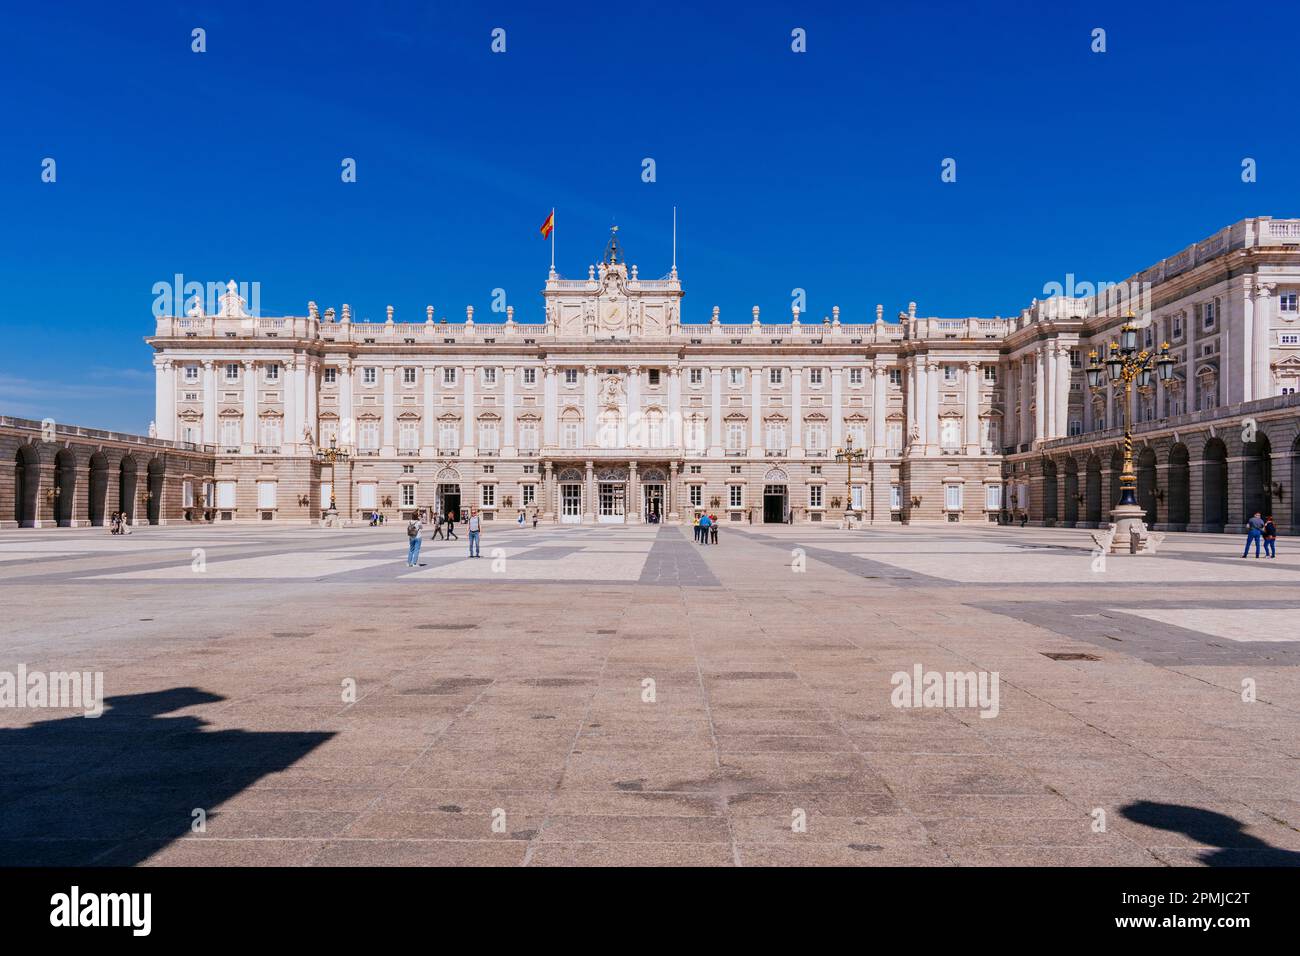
(615, 409)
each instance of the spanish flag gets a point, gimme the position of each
(548, 225)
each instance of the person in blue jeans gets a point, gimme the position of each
(704, 528)
(473, 528)
(1270, 537)
(413, 529)
(1254, 532)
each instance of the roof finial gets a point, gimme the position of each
(612, 249)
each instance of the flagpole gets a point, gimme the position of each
(552, 238)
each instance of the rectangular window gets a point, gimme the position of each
(735, 495)
(487, 436)
(950, 373)
(815, 496)
(895, 498)
(527, 436)
(225, 494)
(331, 375)
(489, 377)
(570, 434)
(952, 497)
(814, 376)
(369, 375)
(1207, 313)
(409, 435)
(408, 376)
(992, 497)
(366, 496)
(273, 373)
(991, 374)
(653, 377)
(232, 372)
(408, 496)
(736, 377)
(1286, 302)
(697, 495)
(697, 376)
(895, 376)
(775, 376)
(527, 494)
(1288, 338)
(191, 373)
(735, 436)
(530, 376)
(266, 494)
(229, 432)
(570, 376)
(894, 437)
(448, 436)
(858, 497)
(1076, 358)
(855, 376)
(368, 436)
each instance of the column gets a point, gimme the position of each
(932, 407)
(715, 413)
(427, 382)
(837, 410)
(347, 424)
(675, 407)
(1063, 373)
(387, 441)
(922, 419)
(635, 437)
(1026, 389)
(796, 411)
(164, 395)
(632, 507)
(589, 407)
(508, 425)
(550, 407)
(469, 441)
(250, 405)
(879, 409)
(589, 503)
(313, 407)
(1040, 394)
(1048, 411)
(972, 417)
(1261, 358)
(671, 491)
(755, 411)
(209, 402)
(294, 377)
(910, 425)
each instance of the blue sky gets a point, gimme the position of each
(818, 170)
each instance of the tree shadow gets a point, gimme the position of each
(1234, 847)
(116, 789)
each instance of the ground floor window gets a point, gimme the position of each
(858, 497)
(225, 494)
(408, 496)
(527, 494)
(815, 496)
(488, 496)
(992, 497)
(266, 494)
(366, 494)
(696, 495)
(736, 495)
(326, 493)
(187, 494)
(952, 497)
(895, 497)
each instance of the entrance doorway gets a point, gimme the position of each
(571, 503)
(774, 507)
(610, 496)
(653, 499)
(449, 501)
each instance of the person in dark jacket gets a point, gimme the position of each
(1270, 537)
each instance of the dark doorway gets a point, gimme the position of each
(65, 487)
(1092, 493)
(155, 495)
(774, 509)
(1180, 489)
(449, 501)
(97, 489)
(126, 488)
(1071, 493)
(27, 479)
(1257, 477)
(1050, 491)
(1295, 486)
(1146, 485)
(1214, 479)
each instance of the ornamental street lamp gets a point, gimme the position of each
(1126, 364)
(848, 454)
(332, 456)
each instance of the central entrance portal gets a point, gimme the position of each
(449, 501)
(571, 503)
(653, 500)
(611, 496)
(774, 504)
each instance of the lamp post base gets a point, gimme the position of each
(1127, 519)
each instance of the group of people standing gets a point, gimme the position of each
(119, 523)
(706, 528)
(442, 528)
(1259, 528)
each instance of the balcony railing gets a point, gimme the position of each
(775, 453)
(268, 449)
(448, 452)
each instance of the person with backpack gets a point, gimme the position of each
(413, 529)
(473, 526)
(1270, 537)
(1254, 532)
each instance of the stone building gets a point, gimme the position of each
(612, 408)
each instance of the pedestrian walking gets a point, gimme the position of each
(437, 528)
(451, 526)
(1270, 537)
(520, 520)
(473, 532)
(1254, 532)
(713, 529)
(413, 529)
(536, 514)
(695, 525)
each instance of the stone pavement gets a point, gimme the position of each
(619, 695)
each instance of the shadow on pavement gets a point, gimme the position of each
(1234, 847)
(115, 789)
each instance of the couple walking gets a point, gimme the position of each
(415, 528)
(1260, 528)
